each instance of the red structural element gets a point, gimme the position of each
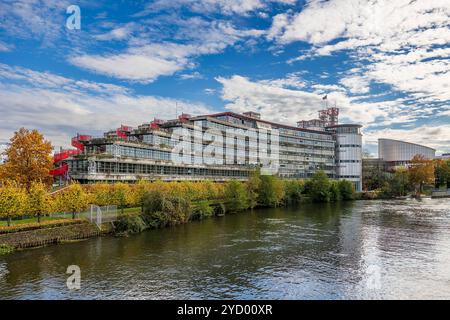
(64, 154)
(184, 117)
(329, 116)
(60, 170)
(123, 131)
(76, 141)
(155, 123)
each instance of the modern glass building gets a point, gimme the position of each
(218, 146)
(399, 153)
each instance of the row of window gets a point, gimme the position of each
(349, 161)
(349, 146)
(79, 167)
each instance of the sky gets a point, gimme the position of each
(385, 64)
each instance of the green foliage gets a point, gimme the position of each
(318, 187)
(271, 191)
(5, 249)
(253, 186)
(442, 174)
(236, 196)
(130, 224)
(335, 192)
(346, 190)
(202, 210)
(293, 191)
(161, 209)
(397, 184)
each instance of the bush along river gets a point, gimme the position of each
(350, 250)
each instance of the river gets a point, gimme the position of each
(354, 250)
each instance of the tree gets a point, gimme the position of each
(293, 191)
(335, 194)
(140, 191)
(319, 187)
(346, 190)
(271, 191)
(253, 186)
(442, 173)
(28, 159)
(73, 199)
(101, 194)
(12, 201)
(236, 196)
(39, 200)
(121, 195)
(421, 171)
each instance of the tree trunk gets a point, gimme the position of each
(39, 218)
(73, 215)
(9, 220)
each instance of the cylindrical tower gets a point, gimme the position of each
(348, 153)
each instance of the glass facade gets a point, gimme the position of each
(223, 145)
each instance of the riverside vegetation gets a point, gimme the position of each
(158, 204)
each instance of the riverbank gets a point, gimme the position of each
(46, 235)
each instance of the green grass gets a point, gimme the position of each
(30, 220)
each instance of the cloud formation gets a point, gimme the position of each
(61, 107)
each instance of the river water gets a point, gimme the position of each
(354, 250)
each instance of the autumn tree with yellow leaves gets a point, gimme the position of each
(421, 172)
(39, 200)
(72, 199)
(13, 201)
(28, 159)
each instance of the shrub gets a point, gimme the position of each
(318, 187)
(175, 209)
(271, 191)
(202, 210)
(130, 224)
(236, 196)
(253, 185)
(346, 189)
(293, 191)
(335, 194)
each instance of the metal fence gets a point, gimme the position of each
(94, 214)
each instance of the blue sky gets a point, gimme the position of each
(385, 64)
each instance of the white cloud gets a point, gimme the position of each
(401, 41)
(117, 33)
(145, 62)
(285, 105)
(39, 19)
(190, 76)
(60, 111)
(226, 7)
(4, 47)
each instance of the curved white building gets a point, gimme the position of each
(398, 153)
(349, 153)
